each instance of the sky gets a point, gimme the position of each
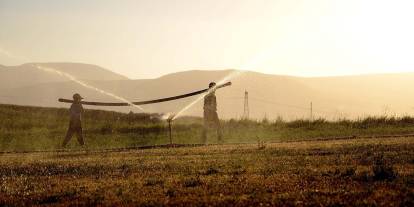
(150, 38)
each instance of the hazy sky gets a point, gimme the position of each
(149, 38)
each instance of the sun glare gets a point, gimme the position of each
(346, 37)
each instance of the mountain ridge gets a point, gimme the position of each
(270, 96)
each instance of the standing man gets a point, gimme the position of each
(210, 114)
(75, 124)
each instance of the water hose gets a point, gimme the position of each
(145, 102)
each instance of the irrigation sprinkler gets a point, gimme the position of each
(145, 102)
(169, 120)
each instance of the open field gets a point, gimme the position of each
(24, 128)
(369, 172)
(283, 170)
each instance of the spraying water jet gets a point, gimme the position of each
(74, 79)
(221, 83)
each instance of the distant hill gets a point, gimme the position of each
(27, 75)
(270, 96)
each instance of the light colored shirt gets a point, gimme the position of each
(210, 103)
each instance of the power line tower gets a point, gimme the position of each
(311, 112)
(246, 105)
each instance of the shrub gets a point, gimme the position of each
(192, 182)
(383, 170)
(153, 181)
(348, 172)
(211, 171)
(261, 145)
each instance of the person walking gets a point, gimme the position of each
(211, 119)
(75, 124)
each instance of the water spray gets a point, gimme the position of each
(74, 79)
(66, 75)
(221, 83)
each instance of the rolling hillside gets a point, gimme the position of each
(270, 96)
(28, 75)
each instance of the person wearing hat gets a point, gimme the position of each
(210, 114)
(75, 124)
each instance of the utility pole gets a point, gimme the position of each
(246, 105)
(311, 112)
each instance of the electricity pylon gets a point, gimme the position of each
(246, 105)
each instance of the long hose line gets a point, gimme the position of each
(144, 102)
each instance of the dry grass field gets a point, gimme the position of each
(356, 172)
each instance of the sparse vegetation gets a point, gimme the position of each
(325, 172)
(34, 128)
(318, 173)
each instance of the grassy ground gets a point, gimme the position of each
(25, 128)
(367, 172)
